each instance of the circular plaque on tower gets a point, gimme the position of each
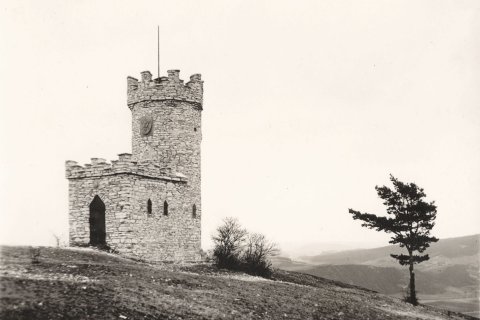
(146, 125)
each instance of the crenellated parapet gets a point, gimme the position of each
(124, 165)
(165, 88)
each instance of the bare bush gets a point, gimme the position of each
(57, 239)
(257, 253)
(60, 239)
(229, 241)
(236, 249)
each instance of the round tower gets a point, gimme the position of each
(167, 132)
(166, 119)
(166, 123)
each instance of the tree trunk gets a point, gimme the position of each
(413, 294)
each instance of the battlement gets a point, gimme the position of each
(124, 165)
(164, 88)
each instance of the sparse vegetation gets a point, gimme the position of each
(60, 240)
(411, 220)
(34, 255)
(91, 284)
(256, 255)
(236, 249)
(57, 239)
(229, 241)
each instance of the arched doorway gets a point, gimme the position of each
(97, 222)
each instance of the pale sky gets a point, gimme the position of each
(307, 106)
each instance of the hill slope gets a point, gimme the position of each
(393, 280)
(83, 283)
(449, 279)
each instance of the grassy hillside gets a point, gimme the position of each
(449, 279)
(452, 288)
(83, 283)
(393, 280)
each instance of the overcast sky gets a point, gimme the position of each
(308, 105)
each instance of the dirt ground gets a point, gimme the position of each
(89, 284)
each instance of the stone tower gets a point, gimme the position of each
(146, 204)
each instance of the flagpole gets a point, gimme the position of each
(158, 51)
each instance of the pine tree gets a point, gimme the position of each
(410, 219)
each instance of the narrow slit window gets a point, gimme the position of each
(149, 206)
(194, 211)
(165, 208)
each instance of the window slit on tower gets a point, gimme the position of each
(165, 208)
(194, 211)
(149, 206)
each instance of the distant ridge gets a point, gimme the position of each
(451, 248)
(450, 278)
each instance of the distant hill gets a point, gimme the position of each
(85, 283)
(450, 278)
(288, 264)
(451, 251)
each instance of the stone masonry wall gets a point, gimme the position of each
(172, 237)
(175, 138)
(130, 229)
(165, 88)
(175, 110)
